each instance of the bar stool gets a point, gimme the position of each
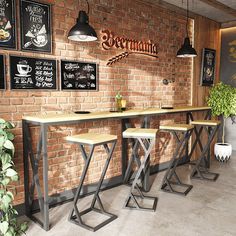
(146, 138)
(168, 182)
(201, 168)
(92, 140)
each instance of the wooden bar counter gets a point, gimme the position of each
(45, 120)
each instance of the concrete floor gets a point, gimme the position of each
(209, 209)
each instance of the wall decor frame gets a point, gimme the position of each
(2, 72)
(35, 26)
(33, 73)
(208, 67)
(77, 75)
(8, 38)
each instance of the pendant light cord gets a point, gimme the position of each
(187, 20)
(87, 5)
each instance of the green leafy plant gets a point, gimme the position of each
(8, 221)
(222, 100)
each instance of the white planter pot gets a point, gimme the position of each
(223, 151)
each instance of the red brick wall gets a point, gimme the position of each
(139, 78)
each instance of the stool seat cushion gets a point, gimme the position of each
(205, 122)
(177, 127)
(91, 138)
(140, 133)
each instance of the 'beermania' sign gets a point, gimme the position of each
(131, 46)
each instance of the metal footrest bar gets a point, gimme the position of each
(205, 175)
(168, 187)
(81, 223)
(137, 206)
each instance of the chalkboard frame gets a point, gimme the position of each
(78, 89)
(49, 23)
(12, 46)
(205, 66)
(2, 76)
(35, 89)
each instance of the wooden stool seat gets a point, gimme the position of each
(140, 133)
(205, 122)
(176, 127)
(91, 138)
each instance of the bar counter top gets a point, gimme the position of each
(65, 117)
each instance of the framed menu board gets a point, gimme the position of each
(208, 67)
(7, 24)
(2, 72)
(32, 73)
(78, 75)
(36, 32)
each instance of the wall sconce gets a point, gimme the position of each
(82, 31)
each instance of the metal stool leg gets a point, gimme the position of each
(200, 171)
(77, 217)
(168, 183)
(133, 197)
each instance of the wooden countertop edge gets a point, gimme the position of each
(50, 118)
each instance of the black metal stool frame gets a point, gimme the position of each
(167, 181)
(201, 171)
(147, 145)
(76, 216)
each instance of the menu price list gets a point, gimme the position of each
(32, 73)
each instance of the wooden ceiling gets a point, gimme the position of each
(222, 11)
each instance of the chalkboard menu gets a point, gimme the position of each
(78, 75)
(32, 73)
(7, 24)
(36, 32)
(2, 72)
(208, 67)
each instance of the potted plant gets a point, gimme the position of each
(222, 100)
(8, 222)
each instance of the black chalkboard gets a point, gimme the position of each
(32, 73)
(7, 24)
(36, 32)
(78, 75)
(208, 67)
(2, 72)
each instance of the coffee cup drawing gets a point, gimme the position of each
(23, 69)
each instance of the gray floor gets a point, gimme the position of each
(209, 209)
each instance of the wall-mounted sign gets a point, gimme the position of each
(78, 75)
(2, 72)
(7, 24)
(32, 73)
(208, 67)
(228, 56)
(130, 46)
(35, 26)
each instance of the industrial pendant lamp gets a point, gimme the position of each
(187, 50)
(82, 31)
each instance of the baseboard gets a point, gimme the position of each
(68, 195)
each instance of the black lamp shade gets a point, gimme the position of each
(82, 31)
(186, 50)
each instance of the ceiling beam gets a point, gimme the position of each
(220, 6)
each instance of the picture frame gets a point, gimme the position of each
(8, 36)
(32, 73)
(208, 67)
(35, 26)
(2, 72)
(79, 75)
